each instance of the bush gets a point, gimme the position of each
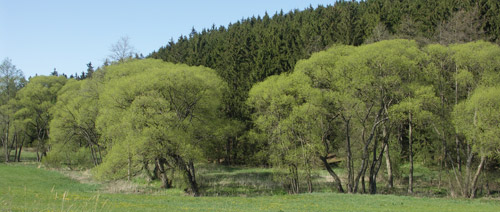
(74, 157)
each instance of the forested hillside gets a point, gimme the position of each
(249, 50)
(381, 94)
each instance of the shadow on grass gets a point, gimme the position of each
(26, 156)
(216, 180)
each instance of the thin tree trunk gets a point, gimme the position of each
(457, 141)
(388, 163)
(38, 152)
(129, 167)
(371, 179)
(6, 148)
(235, 150)
(336, 178)
(100, 155)
(92, 153)
(377, 167)
(476, 177)
(440, 173)
(294, 180)
(350, 174)
(410, 177)
(468, 168)
(20, 150)
(450, 184)
(459, 160)
(15, 147)
(363, 178)
(227, 160)
(309, 180)
(457, 175)
(364, 164)
(6, 143)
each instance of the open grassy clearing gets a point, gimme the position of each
(28, 188)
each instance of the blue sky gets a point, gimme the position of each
(39, 36)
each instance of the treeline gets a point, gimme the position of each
(249, 50)
(392, 103)
(378, 109)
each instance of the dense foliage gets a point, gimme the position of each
(259, 93)
(249, 50)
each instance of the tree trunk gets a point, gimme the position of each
(410, 177)
(372, 179)
(19, 152)
(476, 177)
(388, 163)
(16, 147)
(5, 148)
(192, 178)
(165, 182)
(6, 143)
(457, 141)
(350, 171)
(294, 180)
(190, 174)
(336, 178)
(459, 160)
(468, 168)
(38, 159)
(227, 160)
(363, 177)
(129, 167)
(364, 164)
(309, 180)
(235, 150)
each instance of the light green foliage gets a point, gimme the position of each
(478, 118)
(36, 101)
(421, 102)
(73, 135)
(153, 109)
(288, 113)
(476, 63)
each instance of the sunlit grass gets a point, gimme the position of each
(28, 188)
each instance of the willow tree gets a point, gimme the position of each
(156, 111)
(36, 101)
(475, 64)
(290, 115)
(74, 138)
(361, 84)
(416, 109)
(477, 119)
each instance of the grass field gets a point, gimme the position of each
(29, 188)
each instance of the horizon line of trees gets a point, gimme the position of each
(383, 107)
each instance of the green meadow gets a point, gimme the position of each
(27, 187)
